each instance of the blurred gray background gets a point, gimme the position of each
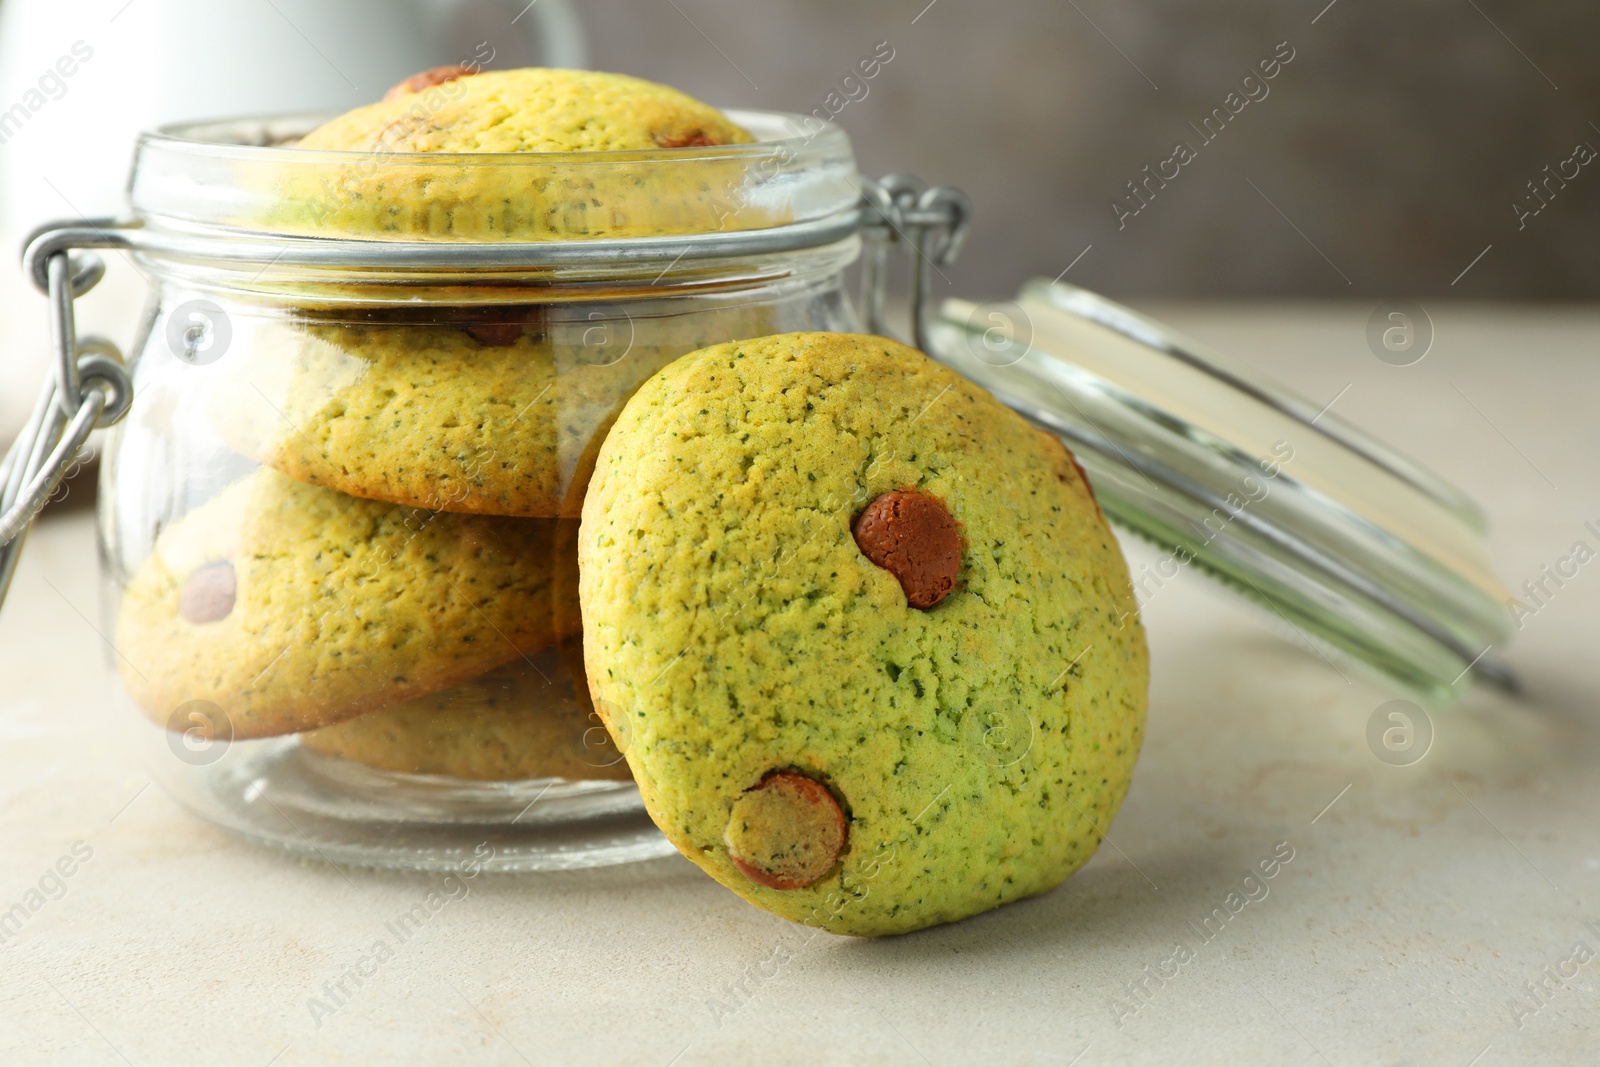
(1396, 141)
(1389, 159)
(1381, 161)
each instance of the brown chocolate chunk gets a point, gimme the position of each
(497, 326)
(429, 78)
(786, 832)
(209, 593)
(496, 334)
(697, 139)
(915, 538)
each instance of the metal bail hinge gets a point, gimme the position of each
(88, 389)
(931, 222)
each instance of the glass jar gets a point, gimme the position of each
(338, 522)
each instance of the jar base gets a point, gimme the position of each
(279, 793)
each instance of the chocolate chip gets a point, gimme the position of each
(914, 537)
(697, 139)
(209, 593)
(429, 78)
(786, 832)
(496, 334)
(496, 325)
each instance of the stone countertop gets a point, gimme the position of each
(1434, 913)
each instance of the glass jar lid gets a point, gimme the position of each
(1360, 549)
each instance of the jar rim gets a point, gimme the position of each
(244, 177)
(208, 137)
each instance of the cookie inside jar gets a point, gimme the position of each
(385, 350)
(482, 409)
(396, 580)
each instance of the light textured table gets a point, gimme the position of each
(1418, 905)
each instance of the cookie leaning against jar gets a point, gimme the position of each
(289, 606)
(394, 190)
(499, 413)
(863, 633)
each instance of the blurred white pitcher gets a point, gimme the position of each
(80, 79)
(137, 63)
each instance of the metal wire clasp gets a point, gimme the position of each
(932, 223)
(88, 389)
